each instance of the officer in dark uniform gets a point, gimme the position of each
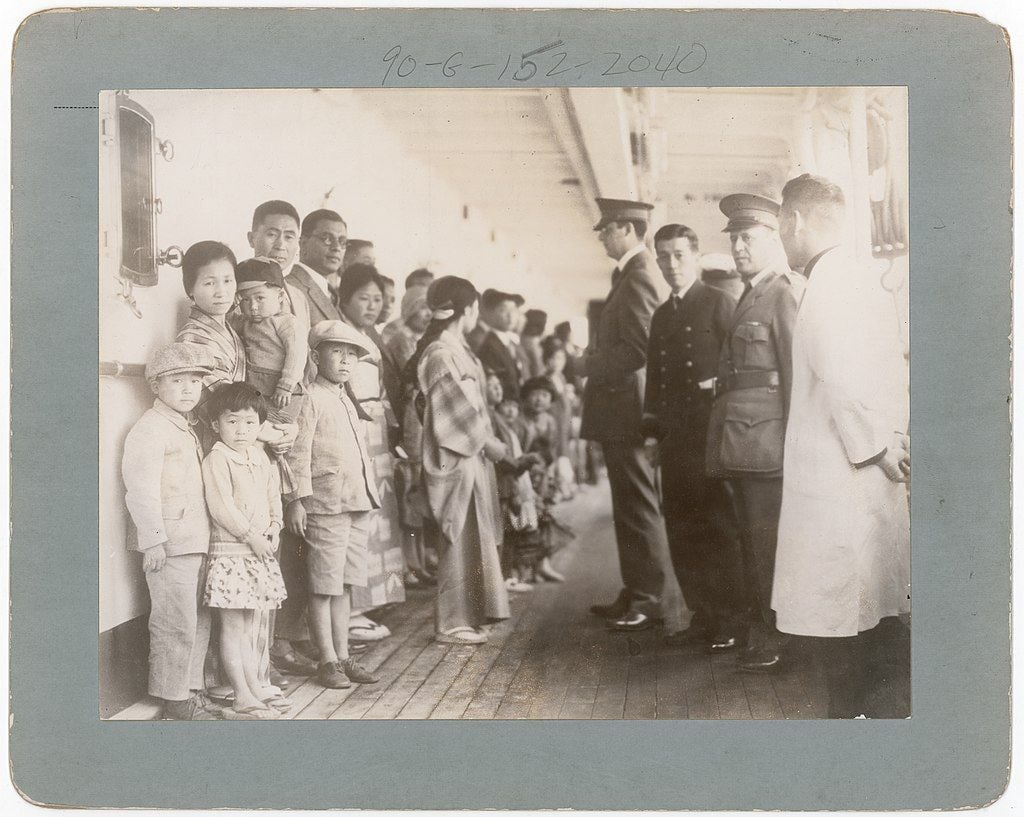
(746, 435)
(687, 334)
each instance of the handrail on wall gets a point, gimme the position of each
(114, 368)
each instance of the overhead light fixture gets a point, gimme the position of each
(571, 181)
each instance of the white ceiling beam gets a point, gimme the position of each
(560, 110)
(603, 126)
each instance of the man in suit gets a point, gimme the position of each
(322, 245)
(501, 350)
(843, 567)
(745, 439)
(687, 334)
(613, 411)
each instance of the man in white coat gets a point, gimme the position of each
(842, 568)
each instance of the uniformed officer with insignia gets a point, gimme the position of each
(747, 431)
(687, 335)
(614, 366)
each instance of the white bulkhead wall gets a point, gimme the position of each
(232, 151)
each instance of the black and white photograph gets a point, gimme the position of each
(576, 403)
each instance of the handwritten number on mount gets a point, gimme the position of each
(508, 62)
(554, 72)
(539, 63)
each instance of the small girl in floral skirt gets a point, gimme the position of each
(243, 494)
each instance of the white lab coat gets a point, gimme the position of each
(843, 557)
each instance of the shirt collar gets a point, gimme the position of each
(811, 264)
(508, 338)
(629, 254)
(182, 421)
(317, 278)
(337, 388)
(682, 293)
(235, 456)
(757, 279)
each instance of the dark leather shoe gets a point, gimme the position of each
(631, 622)
(723, 643)
(292, 663)
(760, 661)
(617, 609)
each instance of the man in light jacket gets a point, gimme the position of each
(842, 571)
(614, 366)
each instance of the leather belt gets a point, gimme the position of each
(750, 380)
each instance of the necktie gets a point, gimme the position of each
(746, 290)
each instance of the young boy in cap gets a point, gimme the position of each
(162, 470)
(275, 351)
(335, 492)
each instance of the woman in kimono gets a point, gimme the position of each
(459, 449)
(208, 275)
(360, 297)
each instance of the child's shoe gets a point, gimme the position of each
(356, 672)
(332, 675)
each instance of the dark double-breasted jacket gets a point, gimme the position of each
(686, 341)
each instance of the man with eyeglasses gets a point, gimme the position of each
(322, 242)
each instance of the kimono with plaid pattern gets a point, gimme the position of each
(461, 486)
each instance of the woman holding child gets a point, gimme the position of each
(459, 446)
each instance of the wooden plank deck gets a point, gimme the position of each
(552, 659)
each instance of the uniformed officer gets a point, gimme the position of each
(745, 438)
(615, 365)
(687, 334)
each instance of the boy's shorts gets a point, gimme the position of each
(337, 553)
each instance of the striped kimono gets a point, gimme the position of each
(461, 486)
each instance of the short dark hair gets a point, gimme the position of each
(273, 208)
(808, 193)
(310, 221)
(387, 281)
(563, 330)
(236, 397)
(198, 256)
(419, 277)
(355, 278)
(671, 231)
(492, 298)
(639, 227)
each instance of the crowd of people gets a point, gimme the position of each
(312, 453)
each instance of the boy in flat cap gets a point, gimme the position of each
(614, 366)
(162, 470)
(335, 492)
(748, 423)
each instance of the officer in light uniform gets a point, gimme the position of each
(747, 430)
